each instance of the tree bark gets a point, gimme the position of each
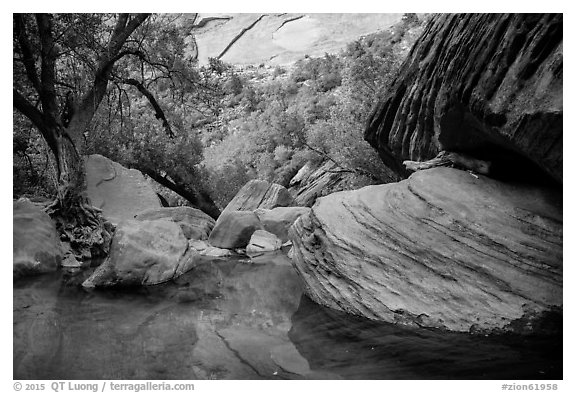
(199, 199)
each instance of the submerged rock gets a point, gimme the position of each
(195, 223)
(36, 245)
(280, 219)
(234, 229)
(263, 241)
(486, 84)
(144, 253)
(441, 249)
(120, 192)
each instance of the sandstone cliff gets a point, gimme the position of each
(486, 84)
(253, 38)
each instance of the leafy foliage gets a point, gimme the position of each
(226, 125)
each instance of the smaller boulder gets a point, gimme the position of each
(263, 241)
(260, 194)
(144, 253)
(198, 245)
(36, 245)
(195, 223)
(215, 252)
(234, 229)
(280, 219)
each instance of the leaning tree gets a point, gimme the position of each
(64, 66)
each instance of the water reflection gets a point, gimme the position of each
(239, 319)
(356, 348)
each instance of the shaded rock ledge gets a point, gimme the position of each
(486, 84)
(441, 249)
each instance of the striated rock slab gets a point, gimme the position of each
(234, 229)
(121, 193)
(280, 219)
(36, 246)
(309, 183)
(195, 223)
(487, 84)
(441, 249)
(259, 194)
(263, 241)
(313, 182)
(144, 253)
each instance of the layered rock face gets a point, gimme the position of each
(313, 182)
(144, 253)
(486, 84)
(36, 245)
(441, 249)
(121, 193)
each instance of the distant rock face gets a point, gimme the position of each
(234, 229)
(195, 224)
(280, 219)
(486, 84)
(280, 38)
(121, 193)
(441, 249)
(259, 194)
(144, 253)
(36, 245)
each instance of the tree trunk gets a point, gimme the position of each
(79, 223)
(200, 199)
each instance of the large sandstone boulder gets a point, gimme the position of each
(259, 194)
(36, 245)
(234, 229)
(144, 253)
(121, 193)
(441, 249)
(195, 224)
(486, 84)
(280, 219)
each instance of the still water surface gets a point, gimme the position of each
(242, 319)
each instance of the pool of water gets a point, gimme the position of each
(242, 319)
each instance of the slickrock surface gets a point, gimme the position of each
(442, 249)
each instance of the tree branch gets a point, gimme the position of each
(36, 117)
(26, 48)
(48, 69)
(89, 103)
(159, 113)
(201, 200)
